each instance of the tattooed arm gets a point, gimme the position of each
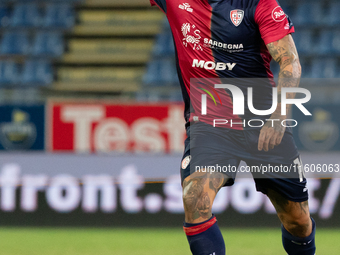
(284, 52)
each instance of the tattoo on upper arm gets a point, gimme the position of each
(273, 51)
(283, 51)
(279, 53)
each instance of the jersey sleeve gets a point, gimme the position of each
(160, 3)
(273, 23)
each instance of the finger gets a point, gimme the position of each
(273, 140)
(279, 139)
(261, 140)
(266, 142)
(268, 138)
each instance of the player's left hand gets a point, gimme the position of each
(271, 135)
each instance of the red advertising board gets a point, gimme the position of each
(105, 127)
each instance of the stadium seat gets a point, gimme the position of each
(308, 12)
(166, 25)
(332, 16)
(336, 42)
(156, 96)
(141, 96)
(329, 42)
(324, 45)
(304, 41)
(305, 68)
(324, 68)
(164, 45)
(4, 16)
(287, 8)
(9, 73)
(15, 43)
(176, 96)
(59, 16)
(37, 73)
(153, 96)
(48, 44)
(26, 15)
(161, 72)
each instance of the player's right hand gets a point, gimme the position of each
(271, 135)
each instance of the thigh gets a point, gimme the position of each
(209, 150)
(279, 169)
(285, 179)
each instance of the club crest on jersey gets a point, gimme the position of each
(186, 161)
(191, 36)
(236, 17)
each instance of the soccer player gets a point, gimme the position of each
(237, 39)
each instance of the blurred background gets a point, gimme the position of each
(92, 131)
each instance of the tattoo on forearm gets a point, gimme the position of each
(285, 74)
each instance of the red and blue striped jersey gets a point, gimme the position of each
(224, 39)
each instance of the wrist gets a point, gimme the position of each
(278, 115)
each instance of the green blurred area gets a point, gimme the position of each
(86, 241)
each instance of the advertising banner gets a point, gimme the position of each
(159, 128)
(116, 127)
(101, 190)
(22, 127)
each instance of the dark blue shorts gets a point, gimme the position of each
(214, 149)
